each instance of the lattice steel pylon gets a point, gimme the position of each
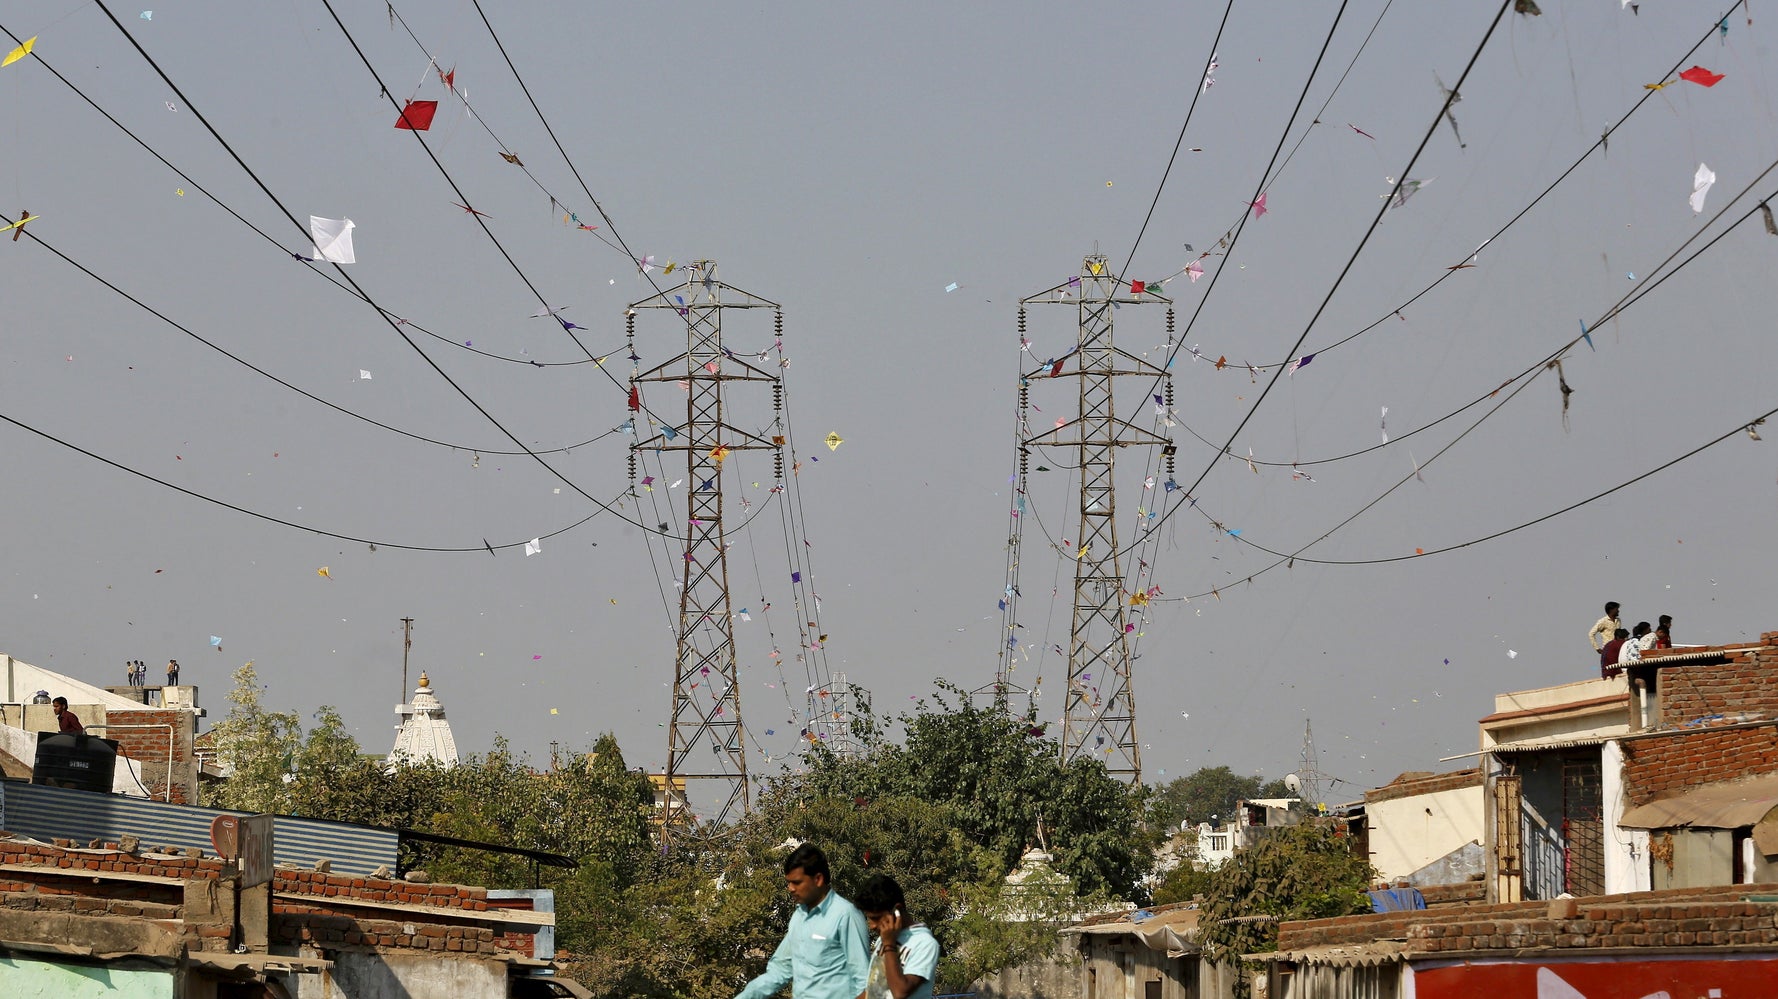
(834, 707)
(706, 738)
(1099, 717)
(1308, 774)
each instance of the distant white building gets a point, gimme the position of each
(1215, 844)
(423, 734)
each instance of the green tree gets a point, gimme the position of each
(256, 747)
(1209, 793)
(1305, 871)
(1006, 787)
(1183, 883)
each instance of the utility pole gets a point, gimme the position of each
(407, 642)
(706, 741)
(1099, 716)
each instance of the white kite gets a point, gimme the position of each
(333, 239)
(1701, 186)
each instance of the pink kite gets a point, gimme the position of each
(1259, 207)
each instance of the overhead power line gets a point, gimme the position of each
(373, 542)
(268, 237)
(1362, 242)
(1548, 361)
(249, 365)
(381, 312)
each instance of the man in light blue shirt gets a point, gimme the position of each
(907, 952)
(826, 951)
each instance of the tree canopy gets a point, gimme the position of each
(1304, 871)
(1206, 795)
(948, 809)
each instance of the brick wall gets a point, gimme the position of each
(148, 746)
(308, 907)
(1432, 784)
(1677, 903)
(469, 899)
(1746, 683)
(1672, 924)
(334, 931)
(1457, 894)
(1663, 765)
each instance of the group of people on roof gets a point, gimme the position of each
(1619, 646)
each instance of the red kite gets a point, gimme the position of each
(417, 115)
(1701, 76)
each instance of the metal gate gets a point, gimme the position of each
(1583, 825)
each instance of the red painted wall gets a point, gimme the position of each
(1725, 976)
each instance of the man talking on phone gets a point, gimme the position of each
(825, 953)
(907, 952)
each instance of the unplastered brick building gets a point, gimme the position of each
(1679, 942)
(1629, 829)
(154, 727)
(173, 925)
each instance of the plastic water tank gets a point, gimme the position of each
(83, 762)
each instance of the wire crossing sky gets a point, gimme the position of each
(898, 177)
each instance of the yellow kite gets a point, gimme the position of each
(19, 53)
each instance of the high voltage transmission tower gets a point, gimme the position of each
(1308, 782)
(834, 707)
(1099, 717)
(706, 740)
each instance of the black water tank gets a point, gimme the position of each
(82, 762)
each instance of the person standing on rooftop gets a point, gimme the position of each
(1604, 628)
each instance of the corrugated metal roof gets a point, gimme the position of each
(1533, 745)
(1366, 955)
(48, 813)
(1174, 932)
(1728, 805)
(1661, 659)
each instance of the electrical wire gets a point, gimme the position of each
(480, 220)
(542, 119)
(1215, 44)
(1598, 144)
(249, 365)
(1353, 259)
(1148, 542)
(373, 542)
(1738, 428)
(463, 96)
(383, 313)
(1284, 136)
(792, 509)
(310, 266)
(1542, 365)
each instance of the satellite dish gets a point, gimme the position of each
(1293, 783)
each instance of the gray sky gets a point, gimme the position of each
(850, 162)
